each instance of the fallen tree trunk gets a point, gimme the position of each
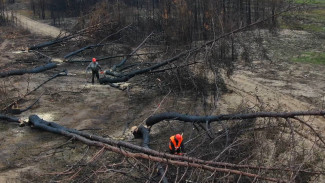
(159, 154)
(81, 50)
(208, 119)
(52, 42)
(94, 140)
(115, 56)
(126, 77)
(25, 71)
(9, 118)
(204, 119)
(36, 122)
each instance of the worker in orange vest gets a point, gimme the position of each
(176, 145)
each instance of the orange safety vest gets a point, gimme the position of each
(172, 140)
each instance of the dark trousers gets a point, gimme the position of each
(97, 76)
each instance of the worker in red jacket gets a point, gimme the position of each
(176, 145)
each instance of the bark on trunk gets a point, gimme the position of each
(204, 119)
(25, 71)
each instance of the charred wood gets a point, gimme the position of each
(132, 53)
(203, 119)
(19, 111)
(9, 118)
(62, 73)
(25, 71)
(52, 42)
(130, 75)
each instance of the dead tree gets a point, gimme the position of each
(94, 45)
(25, 71)
(125, 77)
(132, 53)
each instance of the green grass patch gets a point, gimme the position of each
(311, 57)
(310, 1)
(311, 20)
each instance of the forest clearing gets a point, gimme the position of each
(242, 81)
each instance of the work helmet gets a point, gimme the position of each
(178, 137)
(94, 59)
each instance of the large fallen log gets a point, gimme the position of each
(126, 77)
(25, 71)
(208, 119)
(150, 154)
(115, 56)
(52, 42)
(36, 122)
(9, 118)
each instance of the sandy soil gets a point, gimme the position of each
(36, 27)
(74, 102)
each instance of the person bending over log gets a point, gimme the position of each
(95, 67)
(176, 145)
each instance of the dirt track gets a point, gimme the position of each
(36, 27)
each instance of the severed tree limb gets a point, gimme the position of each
(81, 50)
(175, 67)
(36, 122)
(52, 42)
(49, 58)
(25, 71)
(310, 127)
(95, 45)
(115, 56)
(19, 111)
(9, 118)
(133, 52)
(65, 38)
(62, 73)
